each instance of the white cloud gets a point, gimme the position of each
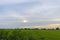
(4, 2)
(56, 19)
(43, 10)
(39, 10)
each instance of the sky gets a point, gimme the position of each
(14, 13)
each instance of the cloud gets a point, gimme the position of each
(32, 10)
(7, 2)
(36, 9)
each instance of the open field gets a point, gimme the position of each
(16, 34)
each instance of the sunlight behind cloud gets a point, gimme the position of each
(25, 21)
(29, 11)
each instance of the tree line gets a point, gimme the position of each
(39, 28)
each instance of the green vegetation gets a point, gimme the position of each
(17, 34)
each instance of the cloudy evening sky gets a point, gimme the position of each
(15, 13)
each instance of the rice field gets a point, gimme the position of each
(16, 34)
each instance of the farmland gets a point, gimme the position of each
(17, 34)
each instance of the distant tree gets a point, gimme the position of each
(29, 29)
(57, 28)
(43, 29)
(21, 29)
(52, 29)
(26, 28)
(36, 29)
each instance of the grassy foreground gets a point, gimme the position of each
(29, 34)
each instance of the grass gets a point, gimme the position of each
(29, 34)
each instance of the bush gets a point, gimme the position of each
(57, 28)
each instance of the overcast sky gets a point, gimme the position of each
(17, 12)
